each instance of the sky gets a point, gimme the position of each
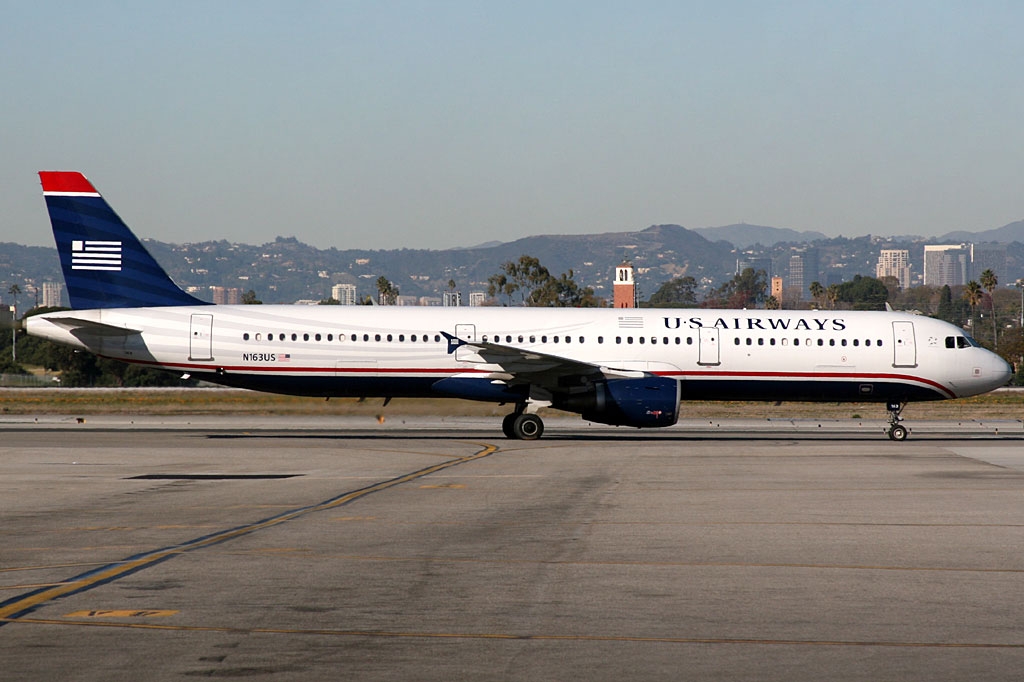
(438, 124)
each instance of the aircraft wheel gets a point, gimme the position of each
(508, 425)
(528, 427)
(898, 432)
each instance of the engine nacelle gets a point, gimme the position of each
(646, 402)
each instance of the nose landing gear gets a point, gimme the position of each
(896, 431)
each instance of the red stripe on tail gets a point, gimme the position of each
(65, 181)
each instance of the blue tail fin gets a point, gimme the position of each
(104, 264)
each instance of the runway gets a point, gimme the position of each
(171, 548)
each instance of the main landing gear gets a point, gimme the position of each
(522, 426)
(896, 430)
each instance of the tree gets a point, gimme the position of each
(388, 292)
(989, 281)
(946, 310)
(973, 296)
(678, 292)
(832, 295)
(817, 292)
(536, 286)
(745, 290)
(249, 298)
(863, 293)
(329, 301)
(772, 303)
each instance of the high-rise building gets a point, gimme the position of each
(989, 257)
(344, 293)
(947, 264)
(52, 292)
(477, 298)
(802, 270)
(624, 289)
(452, 299)
(894, 263)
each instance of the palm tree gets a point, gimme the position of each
(832, 294)
(989, 281)
(973, 295)
(817, 291)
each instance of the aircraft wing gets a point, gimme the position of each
(525, 366)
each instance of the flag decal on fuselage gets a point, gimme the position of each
(95, 255)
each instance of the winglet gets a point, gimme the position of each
(454, 342)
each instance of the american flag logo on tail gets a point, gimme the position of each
(95, 255)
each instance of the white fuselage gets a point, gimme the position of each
(396, 351)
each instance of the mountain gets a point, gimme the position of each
(287, 270)
(743, 235)
(1012, 232)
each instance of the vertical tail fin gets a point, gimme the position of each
(104, 264)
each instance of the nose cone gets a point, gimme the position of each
(1000, 371)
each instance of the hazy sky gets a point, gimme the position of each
(438, 124)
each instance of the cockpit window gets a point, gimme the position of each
(961, 342)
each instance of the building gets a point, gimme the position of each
(947, 264)
(452, 299)
(894, 263)
(777, 288)
(989, 257)
(624, 289)
(52, 294)
(477, 298)
(226, 295)
(802, 270)
(345, 294)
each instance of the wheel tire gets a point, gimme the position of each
(898, 433)
(508, 425)
(528, 427)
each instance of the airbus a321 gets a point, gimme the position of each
(625, 367)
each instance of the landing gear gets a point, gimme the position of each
(897, 431)
(522, 426)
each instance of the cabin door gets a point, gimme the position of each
(466, 332)
(200, 340)
(905, 351)
(707, 350)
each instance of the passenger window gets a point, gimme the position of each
(736, 341)
(821, 342)
(245, 336)
(600, 339)
(556, 339)
(629, 339)
(642, 339)
(295, 337)
(842, 342)
(831, 342)
(533, 339)
(760, 341)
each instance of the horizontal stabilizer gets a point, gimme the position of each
(91, 327)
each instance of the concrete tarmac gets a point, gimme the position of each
(181, 548)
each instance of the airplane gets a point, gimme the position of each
(623, 367)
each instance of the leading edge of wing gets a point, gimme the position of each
(533, 365)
